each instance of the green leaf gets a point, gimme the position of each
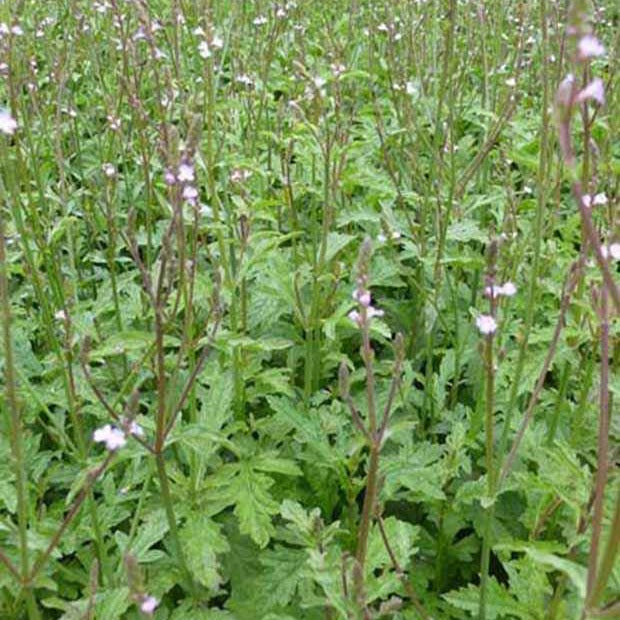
(202, 541)
(500, 604)
(151, 531)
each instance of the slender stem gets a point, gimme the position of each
(167, 500)
(603, 445)
(490, 469)
(16, 437)
(543, 164)
(370, 499)
(400, 572)
(573, 278)
(609, 556)
(82, 495)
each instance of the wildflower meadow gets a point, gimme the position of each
(309, 309)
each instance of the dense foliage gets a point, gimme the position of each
(216, 218)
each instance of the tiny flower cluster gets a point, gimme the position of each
(611, 251)
(206, 48)
(367, 311)
(185, 175)
(8, 124)
(508, 289)
(598, 200)
(114, 437)
(486, 324)
(149, 605)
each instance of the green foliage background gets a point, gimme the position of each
(363, 119)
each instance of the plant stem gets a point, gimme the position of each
(603, 445)
(490, 469)
(167, 500)
(16, 438)
(543, 164)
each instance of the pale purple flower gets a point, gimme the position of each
(136, 429)
(612, 250)
(362, 296)
(355, 316)
(186, 173)
(486, 324)
(372, 312)
(594, 90)
(508, 289)
(113, 437)
(190, 193)
(590, 47)
(149, 605)
(169, 177)
(8, 124)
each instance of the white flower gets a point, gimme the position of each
(113, 437)
(60, 315)
(190, 193)
(260, 20)
(337, 69)
(512, 82)
(486, 324)
(319, 82)
(8, 124)
(136, 429)
(594, 90)
(239, 175)
(612, 250)
(217, 42)
(372, 311)
(590, 47)
(186, 173)
(244, 79)
(204, 50)
(599, 199)
(410, 88)
(17, 31)
(508, 289)
(149, 605)
(109, 170)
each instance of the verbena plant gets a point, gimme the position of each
(309, 310)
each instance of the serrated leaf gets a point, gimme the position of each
(202, 541)
(499, 602)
